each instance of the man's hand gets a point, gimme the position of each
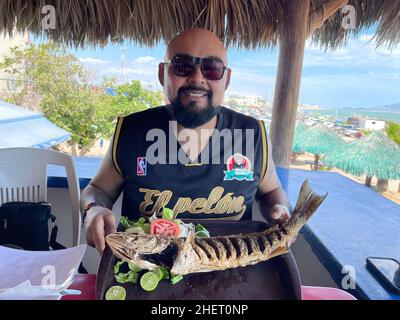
(279, 214)
(99, 222)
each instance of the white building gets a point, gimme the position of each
(372, 124)
(248, 100)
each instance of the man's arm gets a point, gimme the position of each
(272, 200)
(104, 188)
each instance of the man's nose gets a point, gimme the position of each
(197, 76)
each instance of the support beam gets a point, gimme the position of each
(319, 15)
(292, 43)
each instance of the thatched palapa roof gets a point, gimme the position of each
(372, 155)
(245, 23)
(318, 139)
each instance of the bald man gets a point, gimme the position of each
(193, 170)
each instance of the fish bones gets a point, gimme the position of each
(193, 254)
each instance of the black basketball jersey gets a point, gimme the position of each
(221, 184)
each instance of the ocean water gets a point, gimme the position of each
(343, 114)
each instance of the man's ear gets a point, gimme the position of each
(161, 66)
(228, 78)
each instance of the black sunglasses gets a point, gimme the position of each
(184, 65)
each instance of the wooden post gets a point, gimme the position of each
(319, 15)
(316, 162)
(382, 185)
(292, 43)
(368, 181)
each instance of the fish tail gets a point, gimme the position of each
(307, 202)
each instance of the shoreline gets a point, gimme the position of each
(367, 110)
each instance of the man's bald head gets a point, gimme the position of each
(194, 96)
(202, 41)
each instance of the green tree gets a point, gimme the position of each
(66, 96)
(128, 98)
(393, 131)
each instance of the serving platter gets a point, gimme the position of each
(275, 279)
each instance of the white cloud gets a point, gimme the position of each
(142, 68)
(89, 60)
(145, 60)
(359, 52)
(130, 71)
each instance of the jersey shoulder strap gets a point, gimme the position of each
(134, 128)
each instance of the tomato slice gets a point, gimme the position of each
(164, 227)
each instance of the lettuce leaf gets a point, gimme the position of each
(201, 232)
(141, 223)
(168, 214)
(165, 272)
(117, 266)
(127, 277)
(126, 223)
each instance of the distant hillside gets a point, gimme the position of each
(389, 108)
(395, 108)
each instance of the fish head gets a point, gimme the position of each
(139, 243)
(144, 250)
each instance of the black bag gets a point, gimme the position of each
(24, 225)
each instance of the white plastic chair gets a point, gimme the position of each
(23, 178)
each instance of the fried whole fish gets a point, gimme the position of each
(193, 254)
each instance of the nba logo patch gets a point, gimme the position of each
(141, 167)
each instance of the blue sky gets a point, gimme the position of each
(356, 75)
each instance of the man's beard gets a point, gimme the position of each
(193, 116)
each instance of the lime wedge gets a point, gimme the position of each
(162, 273)
(116, 293)
(159, 273)
(134, 268)
(149, 281)
(176, 278)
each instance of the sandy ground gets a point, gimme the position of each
(302, 162)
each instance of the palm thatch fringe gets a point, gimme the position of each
(383, 13)
(241, 23)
